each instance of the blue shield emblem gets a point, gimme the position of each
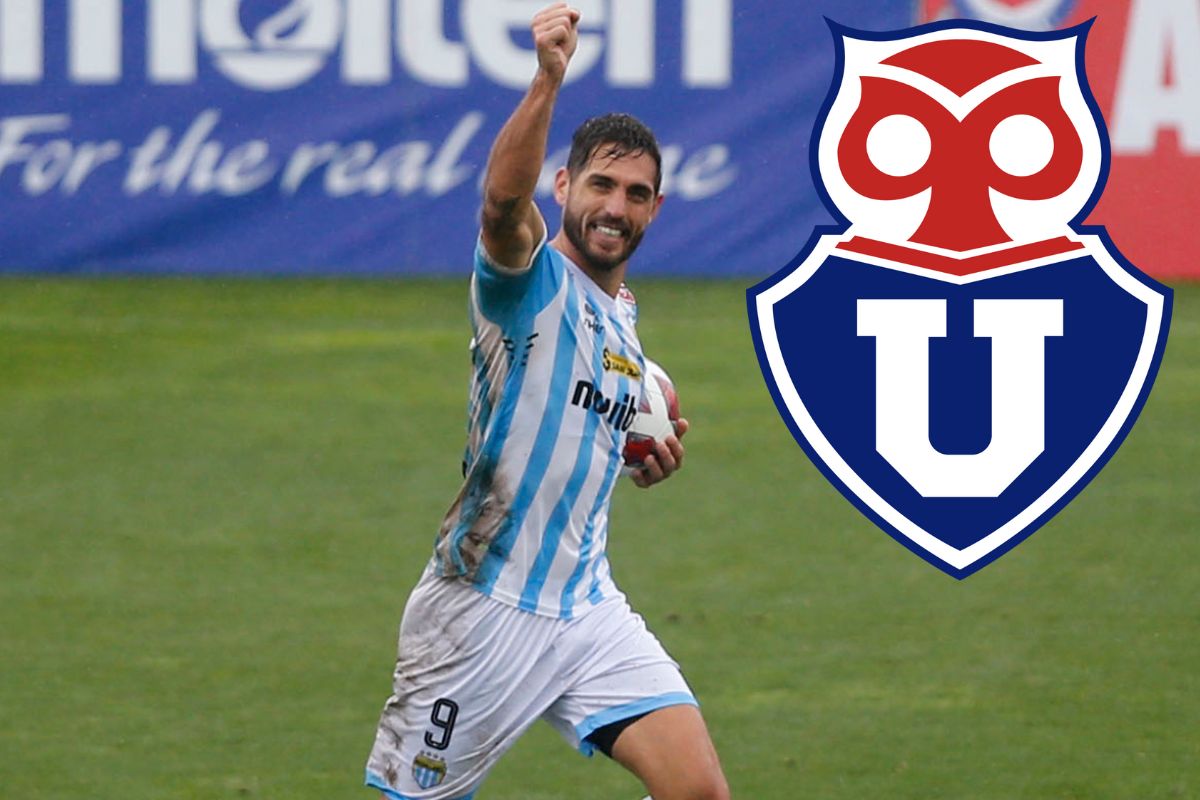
(960, 355)
(428, 770)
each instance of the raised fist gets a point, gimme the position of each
(555, 33)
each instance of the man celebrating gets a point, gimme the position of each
(516, 616)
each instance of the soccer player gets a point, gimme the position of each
(516, 616)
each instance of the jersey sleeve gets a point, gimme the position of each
(501, 290)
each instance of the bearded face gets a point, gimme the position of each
(605, 242)
(607, 206)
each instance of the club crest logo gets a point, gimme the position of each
(428, 770)
(960, 355)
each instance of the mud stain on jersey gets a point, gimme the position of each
(475, 518)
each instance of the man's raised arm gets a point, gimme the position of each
(512, 224)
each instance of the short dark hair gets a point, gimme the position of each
(624, 135)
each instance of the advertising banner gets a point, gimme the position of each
(349, 136)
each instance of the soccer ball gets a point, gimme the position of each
(657, 412)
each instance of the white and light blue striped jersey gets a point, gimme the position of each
(556, 384)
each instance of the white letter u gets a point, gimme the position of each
(902, 330)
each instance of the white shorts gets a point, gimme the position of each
(472, 675)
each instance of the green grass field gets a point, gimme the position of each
(215, 496)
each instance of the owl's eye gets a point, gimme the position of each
(898, 145)
(1021, 145)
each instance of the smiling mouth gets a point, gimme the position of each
(609, 230)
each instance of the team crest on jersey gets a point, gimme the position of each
(960, 355)
(428, 771)
(1030, 15)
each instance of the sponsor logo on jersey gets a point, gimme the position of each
(618, 363)
(591, 320)
(588, 396)
(960, 355)
(428, 770)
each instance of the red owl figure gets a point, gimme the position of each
(959, 145)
